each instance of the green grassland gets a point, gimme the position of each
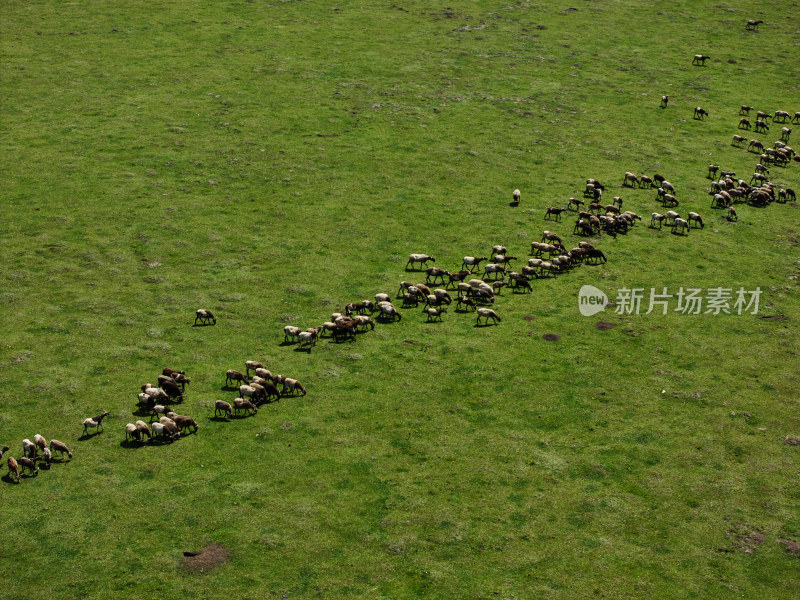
(274, 161)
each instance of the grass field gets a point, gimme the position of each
(275, 161)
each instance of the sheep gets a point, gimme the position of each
(791, 194)
(435, 312)
(732, 216)
(462, 301)
(700, 112)
(738, 140)
(785, 133)
(782, 115)
(761, 169)
(487, 313)
(796, 118)
(60, 447)
(435, 273)
(96, 422)
(26, 463)
(588, 191)
(249, 391)
(443, 295)
(755, 144)
(264, 373)
(404, 286)
(184, 422)
(504, 259)
(582, 228)
(555, 211)
(252, 365)
(422, 259)
(170, 427)
(752, 24)
(744, 123)
(132, 433)
(143, 429)
(158, 409)
(596, 253)
(158, 429)
(575, 202)
(289, 332)
(645, 180)
(13, 468)
(630, 178)
(700, 59)
(745, 110)
(669, 199)
(47, 457)
(495, 269)
(410, 300)
(390, 312)
(245, 405)
(364, 321)
(613, 209)
(204, 316)
(498, 249)
(516, 196)
(155, 395)
(761, 126)
(382, 298)
(232, 376)
(28, 448)
(664, 101)
(173, 390)
(308, 338)
(40, 442)
(678, 222)
(693, 216)
(456, 277)
(596, 206)
(291, 385)
(470, 263)
(3, 450)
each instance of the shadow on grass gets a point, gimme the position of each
(87, 436)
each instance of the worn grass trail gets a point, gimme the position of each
(272, 162)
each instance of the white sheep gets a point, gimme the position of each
(487, 313)
(422, 259)
(682, 223)
(220, 406)
(382, 298)
(204, 316)
(28, 448)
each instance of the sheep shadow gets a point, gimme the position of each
(229, 388)
(204, 325)
(513, 204)
(680, 233)
(485, 324)
(286, 343)
(219, 419)
(87, 436)
(306, 349)
(129, 443)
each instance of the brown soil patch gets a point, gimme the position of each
(792, 441)
(286, 426)
(791, 547)
(208, 558)
(603, 325)
(551, 337)
(774, 317)
(748, 541)
(529, 318)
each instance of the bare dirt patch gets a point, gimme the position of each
(790, 547)
(208, 558)
(604, 325)
(774, 317)
(746, 539)
(551, 337)
(529, 318)
(792, 441)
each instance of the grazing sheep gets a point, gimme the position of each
(184, 422)
(462, 301)
(761, 126)
(761, 169)
(738, 140)
(712, 171)
(170, 427)
(700, 112)
(28, 448)
(791, 194)
(132, 433)
(26, 463)
(204, 316)
(745, 110)
(291, 385)
(669, 200)
(744, 123)
(575, 202)
(630, 178)
(595, 253)
(752, 24)
(516, 196)
(435, 273)
(382, 298)
(173, 390)
(289, 332)
(424, 290)
(796, 118)
(433, 313)
(664, 101)
(143, 429)
(645, 180)
(158, 409)
(60, 447)
(3, 450)
(40, 442)
(555, 211)
(693, 216)
(249, 391)
(252, 365)
(785, 133)
(678, 222)
(781, 116)
(470, 263)
(410, 300)
(263, 373)
(504, 259)
(487, 313)
(456, 277)
(422, 259)
(443, 295)
(755, 144)
(47, 457)
(308, 338)
(700, 59)
(13, 468)
(494, 269)
(498, 249)
(245, 405)
(232, 376)
(158, 429)
(763, 115)
(389, 311)
(96, 422)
